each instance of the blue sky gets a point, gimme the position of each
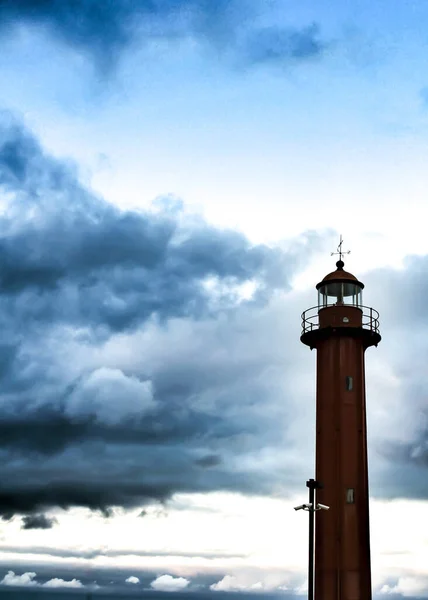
(173, 178)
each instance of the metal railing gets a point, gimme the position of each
(310, 318)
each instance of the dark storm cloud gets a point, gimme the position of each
(38, 522)
(103, 29)
(119, 267)
(212, 460)
(131, 366)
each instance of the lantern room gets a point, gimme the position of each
(340, 288)
(340, 311)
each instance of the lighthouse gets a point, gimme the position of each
(341, 328)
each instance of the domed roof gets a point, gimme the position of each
(340, 275)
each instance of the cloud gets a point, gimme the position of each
(211, 460)
(230, 583)
(158, 511)
(153, 264)
(407, 587)
(227, 584)
(24, 580)
(97, 395)
(279, 45)
(29, 580)
(398, 416)
(38, 522)
(91, 553)
(100, 29)
(132, 366)
(167, 583)
(255, 580)
(132, 579)
(103, 30)
(60, 583)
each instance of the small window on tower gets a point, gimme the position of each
(349, 383)
(350, 499)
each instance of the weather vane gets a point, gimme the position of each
(340, 252)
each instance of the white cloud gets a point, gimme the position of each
(167, 583)
(227, 584)
(60, 583)
(257, 586)
(26, 579)
(257, 579)
(408, 586)
(111, 396)
(132, 579)
(387, 589)
(230, 583)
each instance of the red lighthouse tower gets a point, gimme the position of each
(341, 329)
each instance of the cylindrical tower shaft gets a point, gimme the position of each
(342, 542)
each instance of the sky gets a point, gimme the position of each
(174, 175)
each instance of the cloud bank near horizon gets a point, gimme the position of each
(243, 585)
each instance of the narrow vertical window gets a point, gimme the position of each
(350, 499)
(349, 383)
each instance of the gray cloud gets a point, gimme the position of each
(132, 367)
(102, 30)
(397, 383)
(211, 460)
(97, 552)
(280, 45)
(38, 522)
(153, 265)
